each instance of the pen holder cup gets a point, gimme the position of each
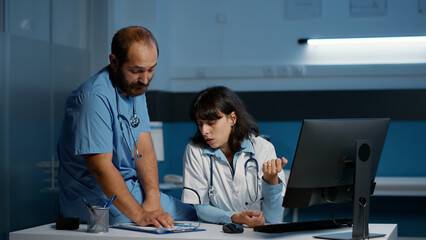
(98, 219)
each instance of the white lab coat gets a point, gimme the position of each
(230, 189)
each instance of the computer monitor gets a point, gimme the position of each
(336, 161)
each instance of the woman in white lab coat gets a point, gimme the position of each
(230, 173)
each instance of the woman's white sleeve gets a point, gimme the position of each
(195, 182)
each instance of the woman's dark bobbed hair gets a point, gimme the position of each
(211, 103)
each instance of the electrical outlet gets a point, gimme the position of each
(283, 71)
(221, 17)
(200, 72)
(268, 71)
(298, 70)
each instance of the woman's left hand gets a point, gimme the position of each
(250, 218)
(271, 169)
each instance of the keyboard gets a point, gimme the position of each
(303, 226)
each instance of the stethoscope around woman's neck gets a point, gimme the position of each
(254, 197)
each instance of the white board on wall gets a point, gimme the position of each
(158, 139)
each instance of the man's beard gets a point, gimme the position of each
(136, 89)
(133, 89)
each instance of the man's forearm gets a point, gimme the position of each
(111, 182)
(147, 170)
(148, 177)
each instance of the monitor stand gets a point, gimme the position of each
(362, 192)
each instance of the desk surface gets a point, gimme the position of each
(213, 232)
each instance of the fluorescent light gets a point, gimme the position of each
(367, 40)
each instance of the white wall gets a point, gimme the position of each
(256, 47)
(251, 45)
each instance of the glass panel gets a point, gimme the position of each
(70, 23)
(29, 18)
(4, 161)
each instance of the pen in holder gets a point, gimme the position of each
(98, 219)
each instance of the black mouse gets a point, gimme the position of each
(232, 228)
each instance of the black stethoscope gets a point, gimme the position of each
(134, 122)
(253, 197)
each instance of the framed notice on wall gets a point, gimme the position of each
(368, 8)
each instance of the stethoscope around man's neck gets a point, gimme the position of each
(134, 122)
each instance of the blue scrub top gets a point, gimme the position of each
(91, 126)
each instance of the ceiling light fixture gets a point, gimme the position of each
(364, 40)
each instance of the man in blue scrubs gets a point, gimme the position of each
(105, 146)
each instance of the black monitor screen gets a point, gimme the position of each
(323, 165)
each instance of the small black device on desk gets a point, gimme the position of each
(67, 223)
(232, 228)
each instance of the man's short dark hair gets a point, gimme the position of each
(124, 38)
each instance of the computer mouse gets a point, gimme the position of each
(232, 228)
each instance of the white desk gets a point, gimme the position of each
(213, 232)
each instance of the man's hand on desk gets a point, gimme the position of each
(158, 218)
